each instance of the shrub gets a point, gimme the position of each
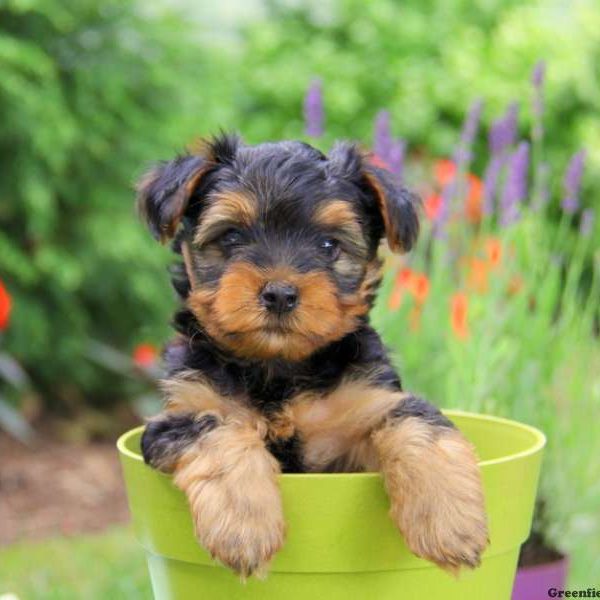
(424, 61)
(89, 92)
(496, 312)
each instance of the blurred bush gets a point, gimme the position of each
(90, 90)
(425, 61)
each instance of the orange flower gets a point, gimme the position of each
(401, 284)
(420, 287)
(404, 277)
(493, 249)
(444, 171)
(473, 210)
(5, 307)
(377, 161)
(478, 275)
(432, 206)
(407, 280)
(145, 355)
(459, 305)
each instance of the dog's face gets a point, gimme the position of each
(279, 241)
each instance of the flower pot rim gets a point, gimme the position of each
(539, 441)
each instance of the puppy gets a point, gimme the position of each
(275, 367)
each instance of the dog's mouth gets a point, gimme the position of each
(269, 326)
(278, 325)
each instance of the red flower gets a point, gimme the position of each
(493, 247)
(473, 210)
(5, 307)
(432, 206)
(407, 280)
(445, 171)
(404, 277)
(377, 161)
(420, 287)
(401, 284)
(145, 355)
(478, 274)
(459, 305)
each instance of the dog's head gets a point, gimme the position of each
(279, 241)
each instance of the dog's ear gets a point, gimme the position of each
(165, 191)
(397, 206)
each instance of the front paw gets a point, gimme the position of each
(436, 496)
(242, 526)
(168, 435)
(231, 486)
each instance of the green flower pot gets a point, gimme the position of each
(340, 542)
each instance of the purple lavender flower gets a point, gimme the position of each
(462, 157)
(463, 153)
(503, 131)
(396, 157)
(502, 135)
(490, 182)
(382, 138)
(515, 188)
(572, 182)
(313, 109)
(538, 74)
(587, 222)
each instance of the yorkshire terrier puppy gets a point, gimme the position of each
(275, 367)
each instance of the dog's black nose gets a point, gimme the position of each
(279, 297)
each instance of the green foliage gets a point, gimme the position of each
(512, 336)
(90, 91)
(425, 62)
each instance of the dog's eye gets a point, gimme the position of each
(330, 248)
(232, 237)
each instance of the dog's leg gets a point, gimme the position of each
(430, 470)
(230, 480)
(169, 435)
(433, 481)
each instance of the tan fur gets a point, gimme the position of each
(430, 471)
(187, 393)
(232, 313)
(380, 195)
(335, 428)
(229, 207)
(371, 282)
(337, 213)
(230, 480)
(434, 485)
(187, 260)
(178, 204)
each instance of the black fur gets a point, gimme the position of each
(288, 181)
(164, 438)
(269, 384)
(289, 454)
(417, 407)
